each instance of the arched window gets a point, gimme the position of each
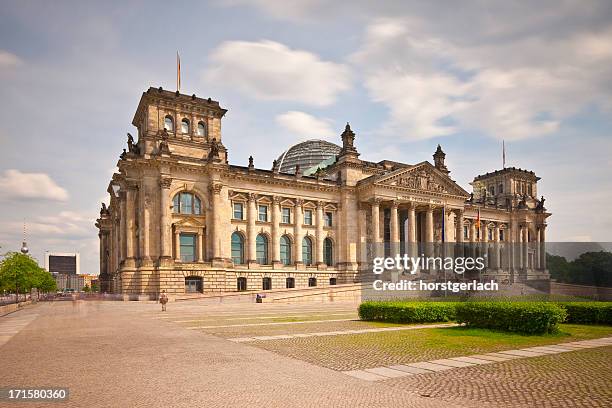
(185, 126)
(201, 129)
(186, 203)
(285, 250)
(169, 124)
(237, 248)
(261, 245)
(328, 252)
(307, 251)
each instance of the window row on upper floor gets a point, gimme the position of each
(262, 250)
(287, 216)
(185, 126)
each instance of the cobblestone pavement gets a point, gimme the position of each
(580, 378)
(115, 354)
(352, 352)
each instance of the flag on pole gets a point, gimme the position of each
(178, 72)
(503, 154)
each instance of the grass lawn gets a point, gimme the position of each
(349, 352)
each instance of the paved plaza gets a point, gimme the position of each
(130, 354)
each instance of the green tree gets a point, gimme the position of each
(593, 268)
(95, 287)
(20, 273)
(86, 288)
(558, 267)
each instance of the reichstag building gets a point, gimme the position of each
(182, 219)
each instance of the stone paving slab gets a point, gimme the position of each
(364, 375)
(491, 358)
(506, 356)
(409, 370)
(386, 372)
(339, 332)
(522, 353)
(430, 366)
(471, 360)
(452, 363)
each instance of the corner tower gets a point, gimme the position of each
(174, 123)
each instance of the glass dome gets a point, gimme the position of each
(307, 154)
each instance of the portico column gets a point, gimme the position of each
(429, 231)
(298, 221)
(319, 237)
(200, 245)
(496, 248)
(375, 208)
(275, 230)
(485, 244)
(177, 246)
(251, 231)
(164, 227)
(459, 233)
(542, 245)
(522, 260)
(412, 241)
(526, 247)
(394, 227)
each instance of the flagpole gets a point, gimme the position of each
(178, 72)
(503, 154)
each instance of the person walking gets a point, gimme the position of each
(163, 299)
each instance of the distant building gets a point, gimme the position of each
(63, 263)
(67, 281)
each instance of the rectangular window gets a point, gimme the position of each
(188, 247)
(286, 216)
(263, 213)
(238, 211)
(328, 219)
(501, 235)
(466, 232)
(490, 234)
(308, 217)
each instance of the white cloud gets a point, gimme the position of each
(436, 82)
(269, 70)
(16, 185)
(9, 60)
(304, 125)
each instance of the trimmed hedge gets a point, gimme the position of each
(588, 312)
(520, 317)
(407, 312)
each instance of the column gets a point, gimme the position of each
(320, 234)
(412, 240)
(144, 224)
(496, 248)
(215, 192)
(485, 243)
(164, 226)
(542, 245)
(459, 233)
(177, 246)
(429, 231)
(522, 260)
(275, 230)
(394, 227)
(376, 246)
(200, 247)
(298, 221)
(526, 247)
(122, 224)
(251, 229)
(130, 222)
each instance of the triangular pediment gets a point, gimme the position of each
(189, 222)
(424, 177)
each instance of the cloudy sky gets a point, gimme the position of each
(407, 75)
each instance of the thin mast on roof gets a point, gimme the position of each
(178, 72)
(503, 154)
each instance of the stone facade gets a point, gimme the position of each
(176, 206)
